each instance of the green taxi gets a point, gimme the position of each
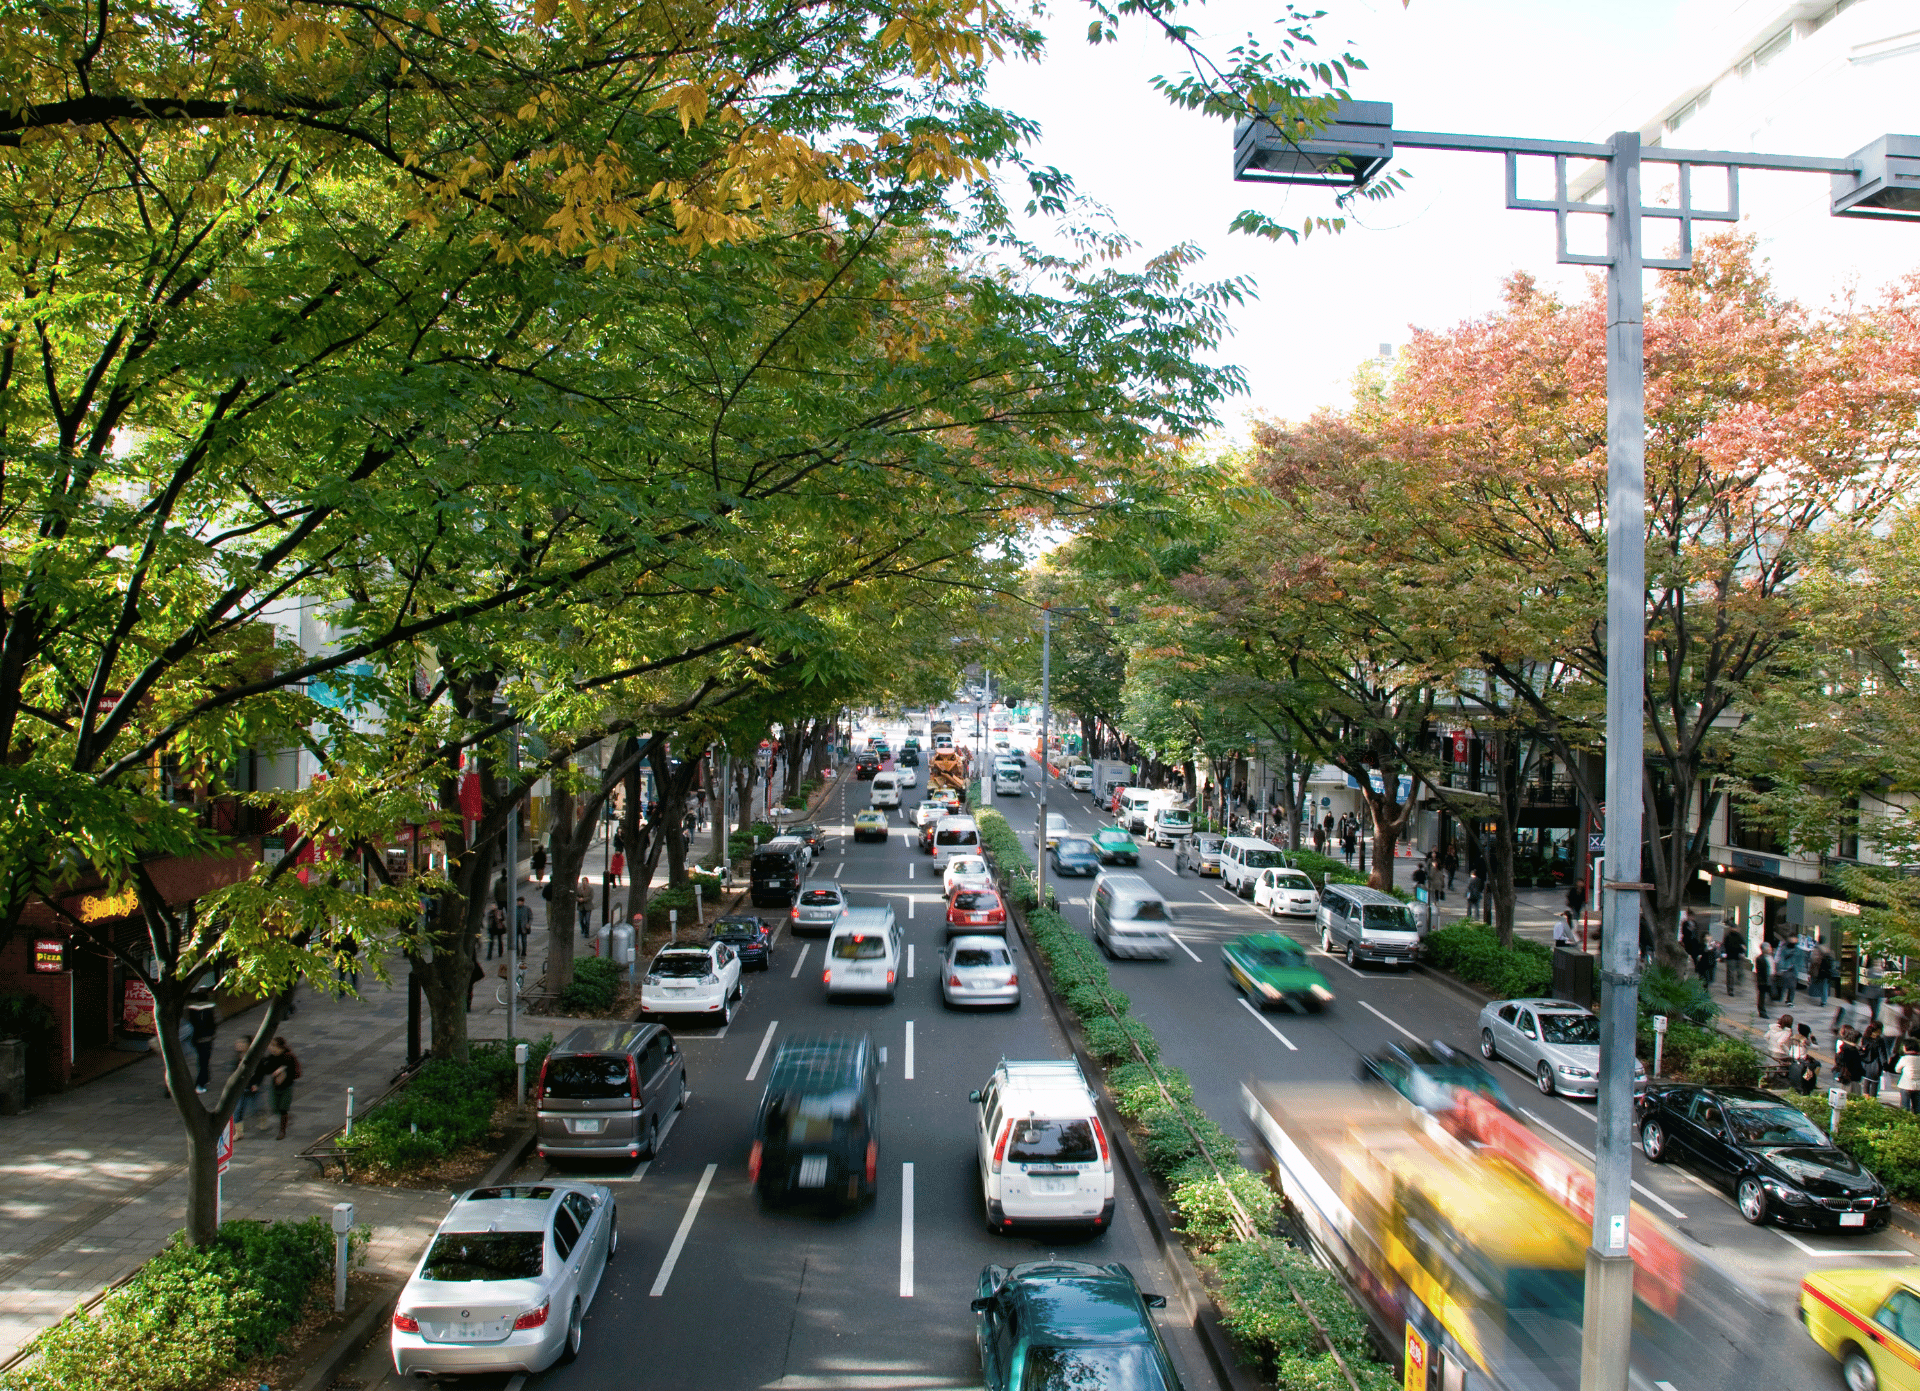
(1115, 847)
(1270, 968)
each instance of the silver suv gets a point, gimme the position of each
(817, 907)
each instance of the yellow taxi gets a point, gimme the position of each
(869, 824)
(1869, 1320)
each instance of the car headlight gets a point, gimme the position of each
(1571, 1071)
(1269, 991)
(1786, 1192)
(1320, 992)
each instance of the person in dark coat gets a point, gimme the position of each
(203, 1019)
(1762, 967)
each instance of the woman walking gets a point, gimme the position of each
(249, 1092)
(283, 1070)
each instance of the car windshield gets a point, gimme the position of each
(1209, 845)
(1395, 917)
(1036, 1141)
(1076, 847)
(485, 1256)
(1263, 859)
(1078, 1368)
(979, 956)
(1172, 817)
(968, 837)
(967, 864)
(859, 948)
(1276, 954)
(975, 900)
(1570, 1028)
(1114, 836)
(819, 898)
(586, 1078)
(1147, 910)
(1293, 879)
(682, 963)
(732, 930)
(1769, 1123)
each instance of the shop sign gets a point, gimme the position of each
(136, 1008)
(273, 849)
(1459, 746)
(50, 955)
(1416, 1364)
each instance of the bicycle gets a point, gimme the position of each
(519, 982)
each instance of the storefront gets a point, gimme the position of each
(1764, 904)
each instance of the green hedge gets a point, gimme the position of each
(1664, 990)
(446, 1107)
(1694, 1054)
(1258, 1308)
(1473, 952)
(1324, 869)
(190, 1317)
(1884, 1138)
(595, 986)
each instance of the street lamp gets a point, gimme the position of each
(1882, 181)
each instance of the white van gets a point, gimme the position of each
(1243, 857)
(863, 953)
(1080, 778)
(886, 790)
(1009, 780)
(954, 835)
(1044, 1156)
(1136, 808)
(1130, 918)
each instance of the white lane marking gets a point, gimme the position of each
(1638, 1186)
(518, 1380)
(1235, 903)
(906, 1230)
(680, 1237)
(837, 869)
(908, 1062)
(800, 961)
(909, 907)
(909, 870)
(761, 1056)
(1185, 948)
(909, 961)
(1267, 1024)
(1403, 1029)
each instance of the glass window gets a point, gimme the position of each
(1900, 1315)
(1705, 1112)
(1037, 1141)
(1525, 1024)
(859, 948)
(1149, 910)
(1072, 1368)
(979, 956)
(587, 1077)
(976, 900)
(682, 963)
(1262, 859)
(580, 1208)
(1761, 1123)
(566, 1232)
(1570, 1028)
(820, 898)
(1390, 917)
(1509, 1013)
(460, 1256)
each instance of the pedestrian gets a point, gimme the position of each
(1346, 844)
(203, 1021)
(1689, 938)
(249, 1089)
(1420, 877)
(583, 906)
(523, 924)
(1450, 862)
(1474, 888)
(1779, 1039)
(1733, 947)
(1786, 971)
(1563, 930)
(496, 931)
(1907, 1073)
(1874, 1058)
(616, 867)
(1704, 963)
(1819, 963)
(1761, 969)
(539, 861)
(1846, 1060)
(1319, 841)
(283, 1070)
(346, 966)
(1577, 897)
(1802, 1069)
(500, 892)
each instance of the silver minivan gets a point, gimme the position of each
(1130, 918)
(607, 1090)
(863, 954)
(1366, 924)
(954, 835)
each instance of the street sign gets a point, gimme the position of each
(50, 954)
(1596, 843)
(223, 1150)
(1837, 1098)
(1659, 1023)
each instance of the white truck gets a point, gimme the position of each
(1109, 773)
(1169, 819)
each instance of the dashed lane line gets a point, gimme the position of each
(680, 1237)
(1267, 1024)
(799, 961)
(1184, 947)
(761, 1056)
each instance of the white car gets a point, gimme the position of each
(507, 1281)
(929, 811)
(1056, 829)
(1286, 893)
(908, 775)
(965, 871)
(1080, 778)
(695, 980)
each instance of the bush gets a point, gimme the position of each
(1700, 1055)
(446, 1107)
(1134, 1092)
(189, 1317)
(1885, 1139)
(595, 986)
(1200, 1199)
(1664, 990)
(1473, 952)
(1324, 869)
(1111, 1040)
(1089, 1001)
(1258, 1308)
(1171, 1136)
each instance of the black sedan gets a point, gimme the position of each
(748, 936)
(1778, 1165)
(1075, 855)
(865, 764)
(814, 836)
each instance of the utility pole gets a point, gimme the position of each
(1040, 836)
(513, 883)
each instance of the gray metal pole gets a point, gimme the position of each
(1040, 836)
(513, 882)
(983, 737)
(1607, 1326)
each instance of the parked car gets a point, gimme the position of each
(1270, 968)
(506, 1283)
(1201, 854)
(1366, 924)
(700, 981)
(1286, 893)
(819, 905)
(869, 824)
(1115, 846)
(1779, 1166)
(748, 936)
(1042, 1151)
(1428, 1075)
(1555, 1041)
(1048, 1324)
(813, 836)
(978, 970)
(1075, 855)
(774, 874)
(817, 1131)
(1868, 1321)
(965, 871)
(607, 1090)
(976, 910)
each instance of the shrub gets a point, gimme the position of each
(1324, 869)
(1258, 1308)
(595, 986)
(1170, 1136)
(1700, 1055)
(189, 1317)
(1473, 952)
(1089, 1001)
(1664, 990)
(1727, 1062)
(1883, 1138)
(1206, 1213)
(1110, 1040)
(1134, 1092)
(447, 1106)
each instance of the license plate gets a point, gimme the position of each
(1051, 1185)
(586, 1127)
(1853, 1219)
(813, 1171)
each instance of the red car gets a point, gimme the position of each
(975, 910)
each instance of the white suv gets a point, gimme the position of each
(1044, 1156)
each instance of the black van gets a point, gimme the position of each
(817, 1134)
(607, 1090)
(775, 876)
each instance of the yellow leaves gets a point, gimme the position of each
(689, 100)
(544, 11)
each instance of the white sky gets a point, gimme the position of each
(1431, 257)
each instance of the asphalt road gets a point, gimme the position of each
(712, 1290)
(1749, 1273)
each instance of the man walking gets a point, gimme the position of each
(539, 862)
(1786, 969)
(496, 932)
(203, 1017)
(1761, 970)
(522, 923)
(1733, 947)
(1474, 887)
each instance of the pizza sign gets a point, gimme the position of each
(50, 954)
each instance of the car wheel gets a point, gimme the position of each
(1353, 957)
(1856, 1369)
(1326, 941)
(571, 1348)
(1543, 1078)
(613, 1235)
(651, 1150)
(681, 1103)
(726, 1014)
(1487, 1050)
(1753, 1201)
(1653, 1142)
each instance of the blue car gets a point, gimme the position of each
(1075, 856)
(748, 936)
(1063, 1324)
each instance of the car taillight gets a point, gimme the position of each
(533, 1318)
(889, 978)
(1100, 1134)
(826, 976)
(753, 1162)
(953, 980)
(1000, 1150)
(633, 1075)
(1013, 978)
(405, 1323)
(873, 1160)
(540, 1087)
(998, 915)
(793, 915)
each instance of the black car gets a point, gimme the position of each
(1778, 1165)
(865, 764)
(817, 1132)
(814, 836)
(748, 936)
(1427, 1075)
(775, 876)
(910, 755)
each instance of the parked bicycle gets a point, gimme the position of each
(519, 982)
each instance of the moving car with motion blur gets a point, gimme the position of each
(1779, 1166)
(1555, 1042)
(702, 981)
(978, 970)
(1869, 1322)
(869, 825)
(507, 1281)
(1056, 828)
(1115, 847)
(1428, 1075)
(1075, 855)
(817, 1131)
(1270, 968)
(748, 936)
(1064, 1325)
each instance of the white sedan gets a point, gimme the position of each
(506, 1284)
(1056, 829)
(965, 872)
(1286, 893)
(696, 980)
(908, 775)
(930, 811)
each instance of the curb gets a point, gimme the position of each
(356, 1336)
(1195, 1299)
(510, 1158)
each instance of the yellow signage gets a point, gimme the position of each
(1416, 1377)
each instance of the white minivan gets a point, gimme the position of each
(886, 790)
(863, 953)
(1044, 1157)
(1130, 918)
(954, 835)
(1009, 780)
(1136, 809)
(1243, 857)
(1080, 778)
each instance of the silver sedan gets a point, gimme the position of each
(507, 1282)
(1555, 1042)
(979, 970)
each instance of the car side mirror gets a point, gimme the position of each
(974, 1097)
(1155, 1301)
(983, 1306)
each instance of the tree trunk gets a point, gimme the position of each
(1389, 820)
(1510, 776)
(446, 980)
(717, 803)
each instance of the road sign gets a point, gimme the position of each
(223, 1149)
(1596, 842)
